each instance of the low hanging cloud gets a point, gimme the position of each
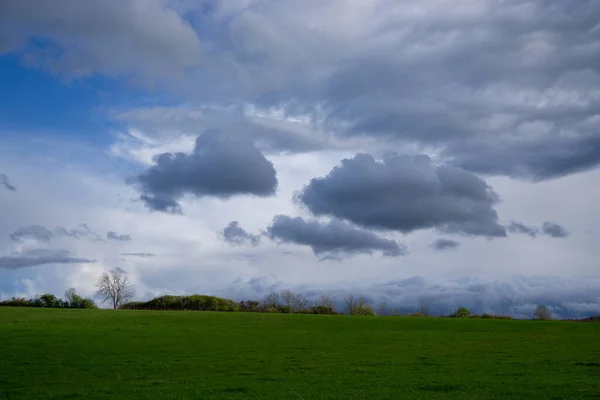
(331, 240)
(445, 244)
(141, 255)
(405, 194)
(555, 230)
(118, 238)
(32, 258)
(519, 227)
(4, 181)
(220, 165)
(235, 235)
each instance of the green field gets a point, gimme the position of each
(101, 354)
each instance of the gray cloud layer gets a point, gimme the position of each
(331, 240)
(220, 166)
(405, 193)
(4, 181)
(498, 87)
(33, 258)
(445, 244)
(235, 235)
(109, 37)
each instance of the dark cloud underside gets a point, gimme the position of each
(331, 240)
(221, 166)
(405, 194)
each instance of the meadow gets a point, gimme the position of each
(102, 354)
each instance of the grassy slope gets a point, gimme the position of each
(56, 354)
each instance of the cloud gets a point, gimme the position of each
(445, 244)
(331, 240)
(116, 237)
(519, 227)
(405, 193)
(554, 230)
(35, 232)
(33, 258)
(142, 255)
(6, 183)
(235, 235)
(220, 166)
(83, 231)
(106, 37)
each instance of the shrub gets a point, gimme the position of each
(462, 312)
(364, 310)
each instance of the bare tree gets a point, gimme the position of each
(271, 300)
(349, 304)
(325, 301)
(382, 308)
(288, 298)
(300, 303)
(423, 310)
(541, 312)
(115, 286)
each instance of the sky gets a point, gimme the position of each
(423, 152)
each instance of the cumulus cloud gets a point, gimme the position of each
(405, 193)
(444, 244)
(235, 235)
(555, 230)
(331, 240)
(107, 37)
(220, 166)
(4, 181)
(32, 258)
(118, 238)
(519, 227)
(142, 255)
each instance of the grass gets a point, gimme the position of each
(101, 354)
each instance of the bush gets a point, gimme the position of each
(462, 312)
(364, 310)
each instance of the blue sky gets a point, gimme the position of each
(254, 145)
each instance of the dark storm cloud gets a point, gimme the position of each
(331, 240)
(4, 181)
(445, 244)
(519, 227)
(497, 87)
(116, 237)
(554, 230)
(405, 193)
(33, 258)
(220, 166)
(35, 232)
(142, 255)
(235, 235)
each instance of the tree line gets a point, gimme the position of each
(48, 300)
(115, 288)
